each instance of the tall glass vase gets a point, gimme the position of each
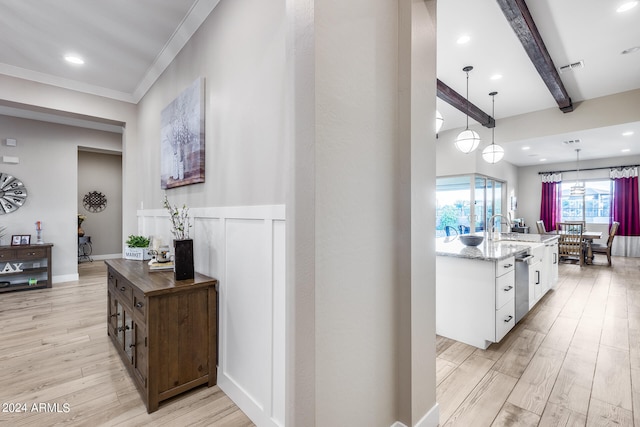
(183, 259)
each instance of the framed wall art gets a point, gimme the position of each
(182, 138)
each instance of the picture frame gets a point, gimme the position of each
(20, 239)
(182, 138)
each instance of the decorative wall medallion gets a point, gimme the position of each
(12, 193)
(94, 201)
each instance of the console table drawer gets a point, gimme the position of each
(31, 253)
(7, 255)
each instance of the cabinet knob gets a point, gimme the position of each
(131, 345)
(508, 319)
(122, 289)
(139, 304)
(115, 315)
(508, 288)
(508, 265)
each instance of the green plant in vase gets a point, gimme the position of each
(137, 247)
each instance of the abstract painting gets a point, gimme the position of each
(182, 138)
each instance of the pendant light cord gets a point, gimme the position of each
(467, 100)
(493, 113)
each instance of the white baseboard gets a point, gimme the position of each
(431, 419)
(105, 256)
(64, 278)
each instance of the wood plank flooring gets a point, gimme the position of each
(574, 360)
(55, 353)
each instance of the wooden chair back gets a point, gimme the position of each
(570, 242)
(612, 233)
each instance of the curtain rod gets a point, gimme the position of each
(590, 169)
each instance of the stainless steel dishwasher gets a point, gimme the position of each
(523, 260)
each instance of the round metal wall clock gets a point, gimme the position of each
(12, 193)
(94, 201)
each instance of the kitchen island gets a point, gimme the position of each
(476, 292)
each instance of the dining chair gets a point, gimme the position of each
(449, 229)
(606, 249)
(570, 241)
(541, 227)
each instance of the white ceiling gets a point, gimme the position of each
(573, 30)
(127, 44)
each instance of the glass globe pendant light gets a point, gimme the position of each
(467, 140)
(493, 153)
(439, 121)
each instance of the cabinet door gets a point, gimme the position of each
(128, 336)
(119, 329)
(113, 315)
(140, 353)
(535, 281)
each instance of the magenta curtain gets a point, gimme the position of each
(625, 207)
(550, 204)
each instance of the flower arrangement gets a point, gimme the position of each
(179, 217)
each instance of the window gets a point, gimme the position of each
(593, 207)
(465, 203)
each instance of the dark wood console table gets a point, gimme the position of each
(165, 330)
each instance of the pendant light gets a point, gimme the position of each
(467, 140)
(439, 121)
(493, 153)
(578, 189)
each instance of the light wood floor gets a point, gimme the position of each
(54, 350)
(574, 360)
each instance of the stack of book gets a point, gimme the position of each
(156, 266)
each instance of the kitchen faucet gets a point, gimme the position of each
(491, 225)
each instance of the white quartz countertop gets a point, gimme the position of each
(491, 250)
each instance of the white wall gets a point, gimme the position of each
(374, 282)
(48, 168)
(240, 52)
(102, 172)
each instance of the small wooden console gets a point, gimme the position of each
(165, 330)
(25, 267)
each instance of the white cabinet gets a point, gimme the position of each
(475, 299)
(550, 261)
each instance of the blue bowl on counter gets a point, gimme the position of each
(471, 240)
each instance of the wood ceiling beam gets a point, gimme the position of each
(458, 101)
(521, 21)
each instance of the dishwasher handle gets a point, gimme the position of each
(525, 259)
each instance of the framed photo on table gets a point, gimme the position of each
(20, 239)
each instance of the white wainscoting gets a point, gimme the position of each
(244, 248)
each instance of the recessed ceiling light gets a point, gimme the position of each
(626, 6)
(629, 133)
(543, 160)
(463, 39)
(631, 50)
(526, 148)
(496, 77)
(626, 150)
(74, 59)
